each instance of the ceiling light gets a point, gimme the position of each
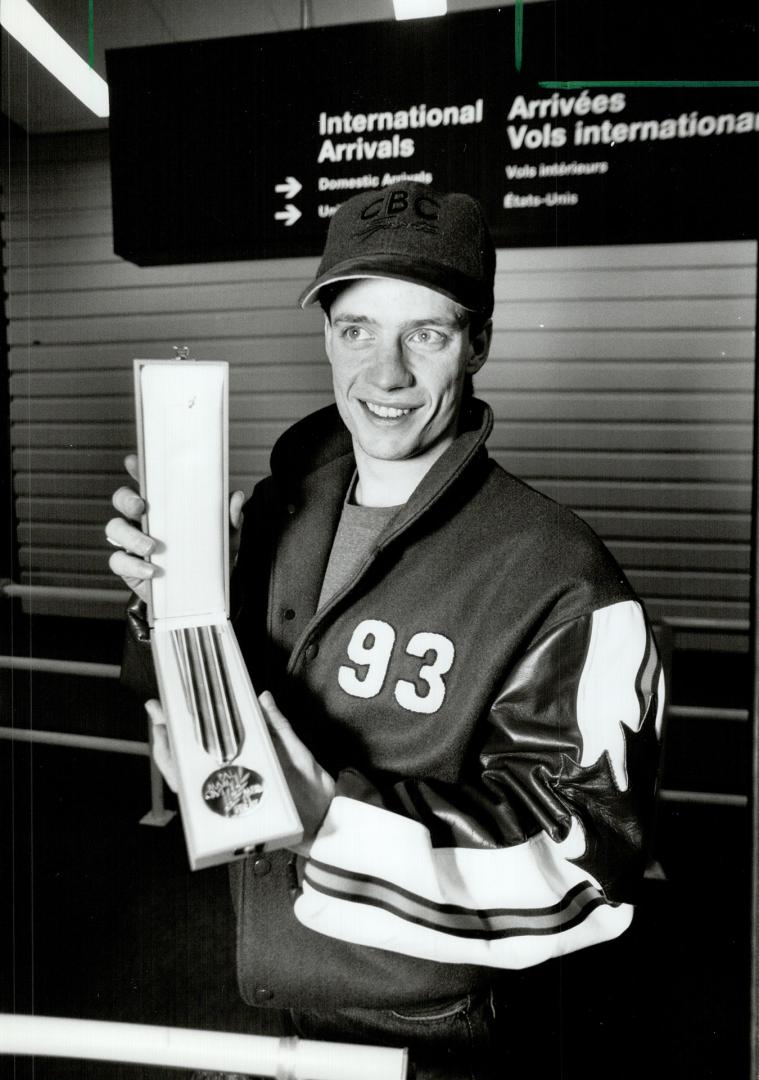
(37, 36)
(419, 9)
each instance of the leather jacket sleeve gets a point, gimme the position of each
(539, 851)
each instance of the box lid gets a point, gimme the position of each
(183, 455)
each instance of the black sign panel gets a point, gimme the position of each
(244, 147)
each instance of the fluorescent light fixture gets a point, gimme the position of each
(37, 36)
(419, 9)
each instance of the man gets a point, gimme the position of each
(472, 689)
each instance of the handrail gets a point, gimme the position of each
(285, 1058)
(669, 627)
(81, 742)
(706, 798)
(96, 742)
(708, 625)
(63, 592)
(706, 712)
(79, 592)
(61, 667)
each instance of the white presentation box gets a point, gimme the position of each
(233, 796)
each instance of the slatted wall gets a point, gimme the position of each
(621, 379)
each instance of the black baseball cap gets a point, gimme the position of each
(411, 232)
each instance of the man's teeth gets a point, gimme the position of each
(386, 411)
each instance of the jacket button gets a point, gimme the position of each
(262, 994)
(261, 867)
(291, 508)
(288, 614)
(312, 651)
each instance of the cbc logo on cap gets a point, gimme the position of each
(396, 202)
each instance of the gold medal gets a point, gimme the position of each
(232, 791)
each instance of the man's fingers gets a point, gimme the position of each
(310, 785)
(162, 756)
(155, 712)
(141, 588)
(121, 534)
(296, 750)
(274, 717)
(128, 503)
(161, 748)
(135, 573)
(130, 566)
(131, 464)
(236, 500)
(280, 727)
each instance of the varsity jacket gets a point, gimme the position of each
(486, 692)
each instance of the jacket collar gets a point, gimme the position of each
(321, 440)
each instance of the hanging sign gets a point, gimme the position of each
(245, 147)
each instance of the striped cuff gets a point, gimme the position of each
(373, 879)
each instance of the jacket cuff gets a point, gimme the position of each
(137, 670)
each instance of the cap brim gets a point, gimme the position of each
(415, 271)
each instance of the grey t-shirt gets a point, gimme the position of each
(358, 528)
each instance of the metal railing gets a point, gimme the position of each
(12, 589)
(667, 630)
(158, 813)
(63, 592)
(281, 1057)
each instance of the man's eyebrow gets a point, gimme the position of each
(346, 317)
(451, 322)
(434, 320)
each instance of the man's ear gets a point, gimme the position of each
(479, 347)
(327, 337)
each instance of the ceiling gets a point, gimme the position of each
(37, 102)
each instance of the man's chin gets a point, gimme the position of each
(389, 441)
(399, 449)
(383, 452)
(400, 442)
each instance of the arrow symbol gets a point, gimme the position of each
(290, 188)
(289, 215)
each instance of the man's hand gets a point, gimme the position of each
(134, 546)
(129, 562)
(311, 786)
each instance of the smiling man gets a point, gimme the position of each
(472, 692)
(401, 354)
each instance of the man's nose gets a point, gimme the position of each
(390, 369)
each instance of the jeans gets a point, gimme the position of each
(450, 1041)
